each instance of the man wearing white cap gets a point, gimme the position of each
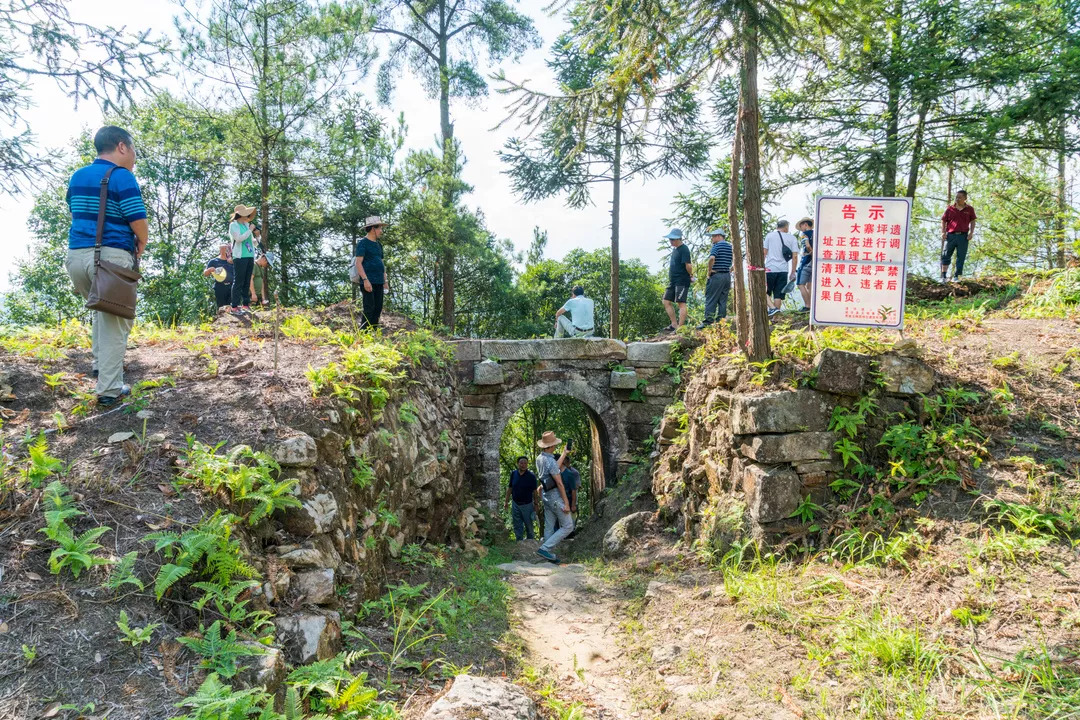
(718, 286)
(369, 264)
(556, 504)
(680, 277)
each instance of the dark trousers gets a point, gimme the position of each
(958, 243)
(222, 294)
(373, 302)
(241, 289)
(717, 290)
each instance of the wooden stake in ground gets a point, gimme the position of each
(277, 324)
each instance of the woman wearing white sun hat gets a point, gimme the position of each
(243, 253)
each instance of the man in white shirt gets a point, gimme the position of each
(580, 322)
(781, 251)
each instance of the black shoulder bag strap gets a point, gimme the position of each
(102, 202)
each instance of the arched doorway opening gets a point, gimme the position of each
(606, 439)
(573, 422)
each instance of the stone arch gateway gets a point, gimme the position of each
(623, 386)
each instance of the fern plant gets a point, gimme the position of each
(41, 466)
(135, 636)
(75, 551)
(124, 573)
(330, 687)
(217, 701)
(245, 474)
(220, 654)
(210, 544)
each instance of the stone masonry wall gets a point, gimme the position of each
(747, 460)
(323, 558)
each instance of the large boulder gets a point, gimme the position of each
(841, 372)
(772, 493)
(906, 375)
(624, 530)
(481, 698)
(314, 517)
(307, 637)
(782, 412)
(488, 372)
(295, 451)
(790, 447)
(649, 354)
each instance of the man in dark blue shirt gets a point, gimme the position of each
(522, 491)
(214, 268)
(571, 480)
(680, 277)
(369, 264)
(123, 238)
(718, 286)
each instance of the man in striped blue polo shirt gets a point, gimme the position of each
(718, 286)
(123, 237)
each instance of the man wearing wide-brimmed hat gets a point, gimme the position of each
(556, 504)
(369, 264)
(243, 254)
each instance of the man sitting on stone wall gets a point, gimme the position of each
(580, 322)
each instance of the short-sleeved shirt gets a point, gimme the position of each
(371, 251)
(219, 263)
(957, 220)
(124, 205)
(774, 250)
(677, 274)
(546, 466)
(581, 311)
(723, 255)
(571, 478)
(522, 487)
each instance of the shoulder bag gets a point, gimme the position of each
(114, 288)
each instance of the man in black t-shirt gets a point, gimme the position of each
(374, 284)
(222, 288)
(522, 491)
(680, 277)
(571, 480)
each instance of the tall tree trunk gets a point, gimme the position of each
(892, 106)
(1062, 207)
(264, 195)
(742, 329)
(758, 348)
(916, 151)
(449, 168)
(616, 190)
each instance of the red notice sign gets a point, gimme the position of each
(860, 261)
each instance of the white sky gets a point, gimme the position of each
(645, 205)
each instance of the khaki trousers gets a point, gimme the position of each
(110, 333)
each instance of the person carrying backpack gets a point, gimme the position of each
(781, 250)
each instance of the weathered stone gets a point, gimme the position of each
(772, 493)
(642, 413)
(482, 698)
(624, 530)
(623, 380)
(295, 451)
(906, 375)
(816, 466)
(265, 670)
(476, 413)
(781, 412)
(120, 437)
(646, 354)
(488, 372)
(841, 372)
(466, 350)
(315, 587)
(563, 349)
(314, 517)
(487, 401)
(319, 552)
(665, 654)
(790, 447)
(307, 637)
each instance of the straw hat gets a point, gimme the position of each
(548, 441)
(806, 219)
(373, 221)
(220, 274)
(244, 211)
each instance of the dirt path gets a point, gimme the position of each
(570, 625)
